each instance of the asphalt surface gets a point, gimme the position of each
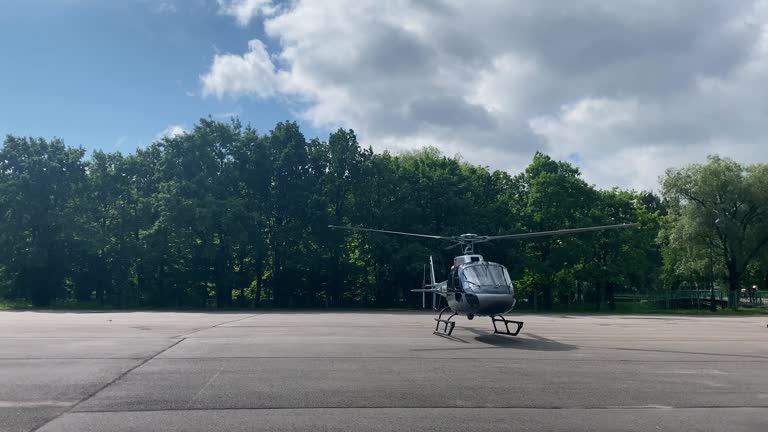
(379, 371)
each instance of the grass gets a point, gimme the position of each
(13, 305)
(645, 309)
(587, 309)
(634, 308)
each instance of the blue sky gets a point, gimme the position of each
(113, 75)
(624, 89)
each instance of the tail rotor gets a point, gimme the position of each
(430, 287)
(432, 282)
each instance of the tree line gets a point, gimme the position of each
(229, 216)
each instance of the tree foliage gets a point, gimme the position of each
(718, 221)
(226, 215)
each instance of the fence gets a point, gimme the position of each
(690, 299)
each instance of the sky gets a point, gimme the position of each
(621, 88)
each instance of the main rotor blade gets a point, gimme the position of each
(391, 232)
(453, 246)
(557, 232)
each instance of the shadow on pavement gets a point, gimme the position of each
(487, 340)
(530, 343)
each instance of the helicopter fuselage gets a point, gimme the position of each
(478, 288)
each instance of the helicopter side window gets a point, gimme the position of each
(454, 284)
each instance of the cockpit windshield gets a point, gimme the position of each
(487, 278)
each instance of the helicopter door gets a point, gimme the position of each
(454, 284)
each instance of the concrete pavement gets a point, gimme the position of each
(379, 371)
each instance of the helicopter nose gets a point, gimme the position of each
(472, 300)
(490, 304)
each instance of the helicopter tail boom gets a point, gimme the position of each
(434, 290)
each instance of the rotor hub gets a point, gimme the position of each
(467, 242)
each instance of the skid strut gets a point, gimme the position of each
(448, 324)
(499, 318)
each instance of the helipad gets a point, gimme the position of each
(379, 371)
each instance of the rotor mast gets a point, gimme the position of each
(467, 243)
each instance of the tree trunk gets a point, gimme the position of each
(578, 291)
(733, 286)
(611, 299)
(765, 284)
(277, 279)
(259, 283)
(600, 294)
(138, 264)
(548, 300)
(100, 289)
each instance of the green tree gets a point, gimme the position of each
(721, 206)
(551, 196)
(39, 180)
(103, 261)
(224, 213)
(338, 168)
(627, 258)
(289, 197)
(252, 178)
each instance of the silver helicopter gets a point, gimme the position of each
(476, 287)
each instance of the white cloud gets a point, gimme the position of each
(245, 10)
(170, 132)
(120, 141)
(626, 88)
(228, 114)
(161, 6)
(588, 123)
(252, 73)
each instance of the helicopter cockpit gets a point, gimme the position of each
(481, 277)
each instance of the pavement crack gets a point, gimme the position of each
(213, 378)
(116, 379)
(68, 358)
(217, 325)
(421, 358)
(692, 353)
(430, 407)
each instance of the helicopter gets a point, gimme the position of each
(476, 287)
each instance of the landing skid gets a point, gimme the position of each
(448, 324)
(499, 318)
